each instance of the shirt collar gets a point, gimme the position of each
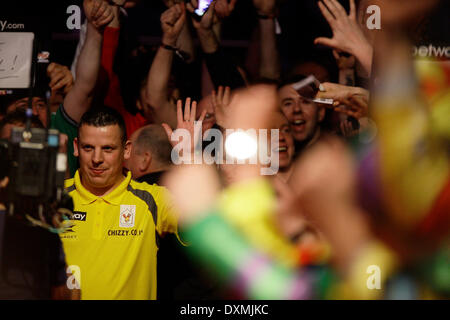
(114, 197)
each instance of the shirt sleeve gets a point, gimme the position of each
(167, 216)
(64, 124)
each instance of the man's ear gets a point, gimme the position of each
(127, 150)
(75, 147)
(146, 161)
(321, 113)
(139, 104)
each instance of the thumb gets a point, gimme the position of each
(211, 10)
(168, 131)
(325, 41)
(50, 68)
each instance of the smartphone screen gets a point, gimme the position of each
(203, 6)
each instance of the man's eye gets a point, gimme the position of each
(87, 148)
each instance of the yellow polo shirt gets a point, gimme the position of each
(111, 249)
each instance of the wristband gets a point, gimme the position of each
(265, 16)
(181, 54)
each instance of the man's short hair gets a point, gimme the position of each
(153, 138)
(102, 117)
(290, 80)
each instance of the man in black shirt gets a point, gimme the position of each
(150, 154)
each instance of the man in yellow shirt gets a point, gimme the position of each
(112, 247)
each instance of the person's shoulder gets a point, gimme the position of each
(69, 183)
(144, 186)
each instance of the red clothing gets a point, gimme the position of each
(113, 98)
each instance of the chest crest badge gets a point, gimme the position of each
(127, 216)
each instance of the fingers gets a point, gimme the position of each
(193, 111)
(181, 18)
(168, 131)
(211, 10)
(187, 109)
(336, 8)
(227, 96)
(50, 68)
(336, 55)
(326, 42)
(96, 4)
(202, 116)
(179, 112)
(190, 7)
(220, 93)
(352, 14)
(214, 99)
(327, 14)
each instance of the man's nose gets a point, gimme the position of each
(297, 107)
(97, 157)
(35, 110)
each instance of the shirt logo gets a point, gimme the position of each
(79, 216)
(127, 215)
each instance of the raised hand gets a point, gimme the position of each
(347, 35)
(61, 79)
(98, 13)
(220, 101)
(224, 8)
(208, 19)
(347, 129)
(172, 22)
(186, 122)
(352, 101)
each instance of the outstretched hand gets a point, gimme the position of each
(347, 35)
(220, 101)
(186, 122)
(352, 101)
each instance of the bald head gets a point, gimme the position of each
(151, 151)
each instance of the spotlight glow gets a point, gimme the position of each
(241, 145)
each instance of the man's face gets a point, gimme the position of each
(135, 161)
(286, 148)
(38, 104)
(303, 115)
(101, 154)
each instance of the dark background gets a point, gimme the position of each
(300, 20)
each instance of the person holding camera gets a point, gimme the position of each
(32, 261)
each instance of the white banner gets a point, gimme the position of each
(16, 50)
